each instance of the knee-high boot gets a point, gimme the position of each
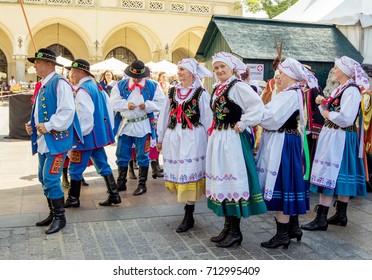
(65, 182)
(340, 217)
(122, 178)
(73, 194)
(320, 221)
(158, 166)
(281, 238)
(294, 228)
(234, 236)
(224, 231)
(155, 171)
(132, 174)
(47, 221)
(59, 219)
(142, 188)
(188, 219)
(112, 189)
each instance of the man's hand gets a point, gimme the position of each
(142, 106)
(41, 128)
(28, 128)
(131, 106)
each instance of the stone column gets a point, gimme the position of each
(19, 57)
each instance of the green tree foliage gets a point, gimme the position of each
(271, 7)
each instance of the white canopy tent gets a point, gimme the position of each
(165, 66)
(352, 17)
(113, 64)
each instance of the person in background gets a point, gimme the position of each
(182, 135)
(12, 81)
(136, 98)
(96, 120)
(107, 81)
(162, 81)
(54, 129)
(338, 168)
(279, 160)
(315, 119)
(232, 186)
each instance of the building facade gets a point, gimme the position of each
(150, 30)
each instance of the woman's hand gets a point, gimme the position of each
(319, 99)
(28, 128)
(237, 128)
(159, 147)
(325, 114)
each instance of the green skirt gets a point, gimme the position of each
(255, 205)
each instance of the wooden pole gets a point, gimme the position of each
(28, 26)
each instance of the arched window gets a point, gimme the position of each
(3, 63)
(62, 51)
(122, 54)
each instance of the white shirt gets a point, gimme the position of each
(119, 104)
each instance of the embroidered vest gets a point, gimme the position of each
(335, 106)
(226, 112)
(101, 134)
(190, 108)
(57, 141)
(148, 93)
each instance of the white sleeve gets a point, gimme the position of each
(85, 111)
(350, 102)
(156, 103)
(118, 103)
(206, 114)
(252, 105)
(163, 120)
(279, 110)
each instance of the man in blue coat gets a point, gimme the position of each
(96, 122)
(54, 129)
(135, 99)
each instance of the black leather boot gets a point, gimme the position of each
(48, 220)
(73, 194)
(59, 219)
(281, 238)
(112, 189)
(84, 183)
(294, 228)
(234, 235)
(122, 178)
(155, 171)
(320, 221)
(132, 174)
(340, 217)
(224, 231)
(188, 219)
(143, 173)
(158, 166)
(65, 182)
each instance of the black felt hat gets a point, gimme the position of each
(45, 54)
(82, 65)
(137, 70)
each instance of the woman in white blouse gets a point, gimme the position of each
(280, 159)
(338, 166)
(233, 190)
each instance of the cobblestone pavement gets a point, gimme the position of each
(144, 227)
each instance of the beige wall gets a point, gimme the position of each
(144, 32)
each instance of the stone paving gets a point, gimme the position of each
(143, 228)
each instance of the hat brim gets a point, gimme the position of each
(90, 74)
(32, 60)
(137, 76)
